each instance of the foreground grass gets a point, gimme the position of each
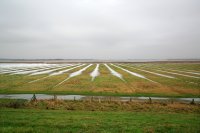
(31, 120)
(91, 116)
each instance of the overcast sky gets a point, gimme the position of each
(100, 29)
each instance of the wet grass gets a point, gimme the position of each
(175, 86)
(107, 84)
(20, 83)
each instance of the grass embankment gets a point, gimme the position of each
(85, 116)
(104, 105)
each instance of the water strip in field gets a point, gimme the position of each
(178, 74)
(82, 97)
(48, 71)
(195, 71)
(79, 72)
(160, 70)
(56, 73)
(39, 70)
(64, 71)
(95, 73)
(12, 71)
(16, 67)
(158, 74)
(184, 71)
(33, 72)
(17, 70)
(176, 78)
(134, 74)
(114, 73)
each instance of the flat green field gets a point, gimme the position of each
(137, 79)
(21, 120)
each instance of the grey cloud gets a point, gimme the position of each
(114, 29)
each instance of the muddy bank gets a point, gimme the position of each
(92, 105)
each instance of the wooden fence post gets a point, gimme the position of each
(33, 99)
(192, 102)
(150, 101)
(54, 97)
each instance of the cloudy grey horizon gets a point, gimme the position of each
(100, 29)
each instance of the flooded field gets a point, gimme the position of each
(115, 79)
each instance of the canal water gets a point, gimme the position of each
(82, 97)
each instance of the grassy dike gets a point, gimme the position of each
(86, 116)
